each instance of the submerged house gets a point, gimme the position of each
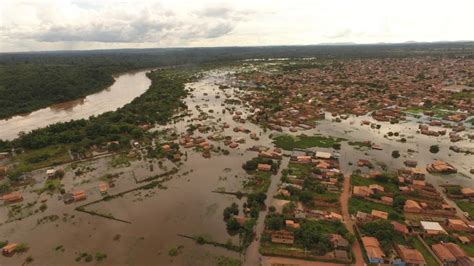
(12, 197)
(9, 249)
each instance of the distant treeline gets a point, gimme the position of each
(29, 81)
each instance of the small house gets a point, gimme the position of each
(79, 195)
(12, 197)
(410, 256)
(264, 167)
(9, 249)
(400, 228)
(373, 250)
(380, 214)
(103, 187)
(50, 173)
(283, 237)
(432, 228)
(443, 254)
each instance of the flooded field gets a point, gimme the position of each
(154, 217)
(126, 87)
(151, 220)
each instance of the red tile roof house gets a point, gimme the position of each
(443, 253)
(9, 249)
(264, 167)
(79, 195)
(401, 228)
(373, 250)
(410, 256)
(12, 197)
(283, 237)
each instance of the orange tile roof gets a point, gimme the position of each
(372, 247)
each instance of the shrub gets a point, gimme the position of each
(99, 256)
(275, 222)
(434, 148)
(395, 154)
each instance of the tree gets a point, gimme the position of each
(395, 154)
(232, 224)
(434, 148)
(399, 202)
(289, 207)
(305, 197)
(275, 222)
(311, 237)
(233, 209)
(380, 229)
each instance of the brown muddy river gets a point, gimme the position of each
(126, 87)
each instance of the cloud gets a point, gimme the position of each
(105, 24)
(341, 34)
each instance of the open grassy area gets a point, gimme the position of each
(466, 206)
(356, 204)
(289, 143)
(430, 260)
(469, 249)
(264, 179)
(438, 112)
(40, 158)
(362, 181)
(297, 250)
(299, 170)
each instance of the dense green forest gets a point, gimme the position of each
(29, 81)
(43, 85)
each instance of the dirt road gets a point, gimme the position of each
(268, 261)
(347, 219)
(252, 255)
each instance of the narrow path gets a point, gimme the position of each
(268, 261)
(252, 256)
(345, 195)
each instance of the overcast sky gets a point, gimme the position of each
(37, 25)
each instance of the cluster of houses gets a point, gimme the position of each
(448, 253)
(357, 87)
(454, 135)
(388, 115)
(439, 166)
(325, 171)
(427, 216)
(340, 244)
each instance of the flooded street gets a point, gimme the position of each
(186, 204)
(126, 87)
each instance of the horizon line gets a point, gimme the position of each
(246, 46)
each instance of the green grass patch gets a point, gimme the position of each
(228, 261)
(50, 186)
(120, 161)
(469, 249)
(301, 171)
(356, 204)
(288, 142)
(466, 206)
(362, 181)
(35, 159)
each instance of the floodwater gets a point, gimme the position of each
(157, 216)
(126, 87)
(187, 204)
